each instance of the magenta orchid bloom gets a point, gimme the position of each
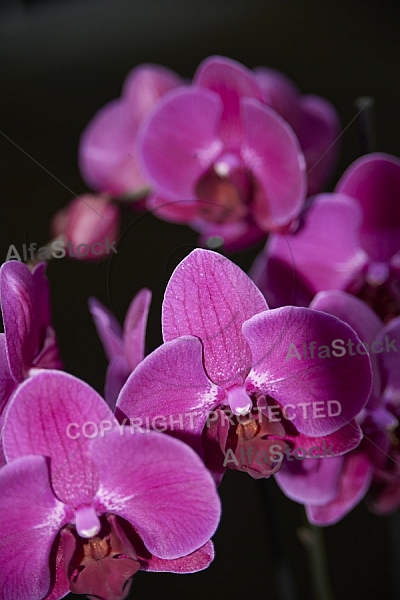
(350, 240)
(124, 347)
(220, 159)
(227, 381)
(331, 487)
(95, 502)
(29, 341)
(107, 154)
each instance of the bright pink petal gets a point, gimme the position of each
(135, 328)
(325, 252)
(281, 93)
(145, 85)
(161, 487)
(275, 336)
(178, 142)
(46, 413)
(374, 181)
(171, 390)
(272, 153)
(318, 131)
(310, 481)
(108, 329)
(210, 297)
(30, 517)
(192, 563)
(354, 483)
(231, 81)
(107, 157)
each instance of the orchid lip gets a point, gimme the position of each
(87, 522)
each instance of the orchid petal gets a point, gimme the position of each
(339, 442)
(161, 487)
(310, 481)
(145, 85)
(178, 142)
(281, 94)
(107, 157)
(192, 563)
(108, 329)
(177, 211)
(354, 483)
(17, 291)
(389, 361)
(170, 384)
(374, 181)
(273, 337)
(30, 518)
(272, 153)
(231, 81)
(360, 317)
(117, 373)
(135, 328)
(318, 132)
(7, 383)
(47, 412)
(325, 251)
(210, 297)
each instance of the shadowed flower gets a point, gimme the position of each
(124, 346)
(385, 490)
(29, 341)
(331, 487)
(107, 153)
(349, 240)
(85, 504)
(225, 357)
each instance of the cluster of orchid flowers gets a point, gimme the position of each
(237, 155)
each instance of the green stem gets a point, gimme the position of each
(313, 539)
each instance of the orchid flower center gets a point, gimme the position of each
(225, 191)
(249, 441)
(102, 565)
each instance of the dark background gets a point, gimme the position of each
(60, 61)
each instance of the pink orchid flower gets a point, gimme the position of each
(85, 503)
(226, 154)
(225, 357)
(29, 341)
(124, 346)
(107, 153)
(349, 240)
